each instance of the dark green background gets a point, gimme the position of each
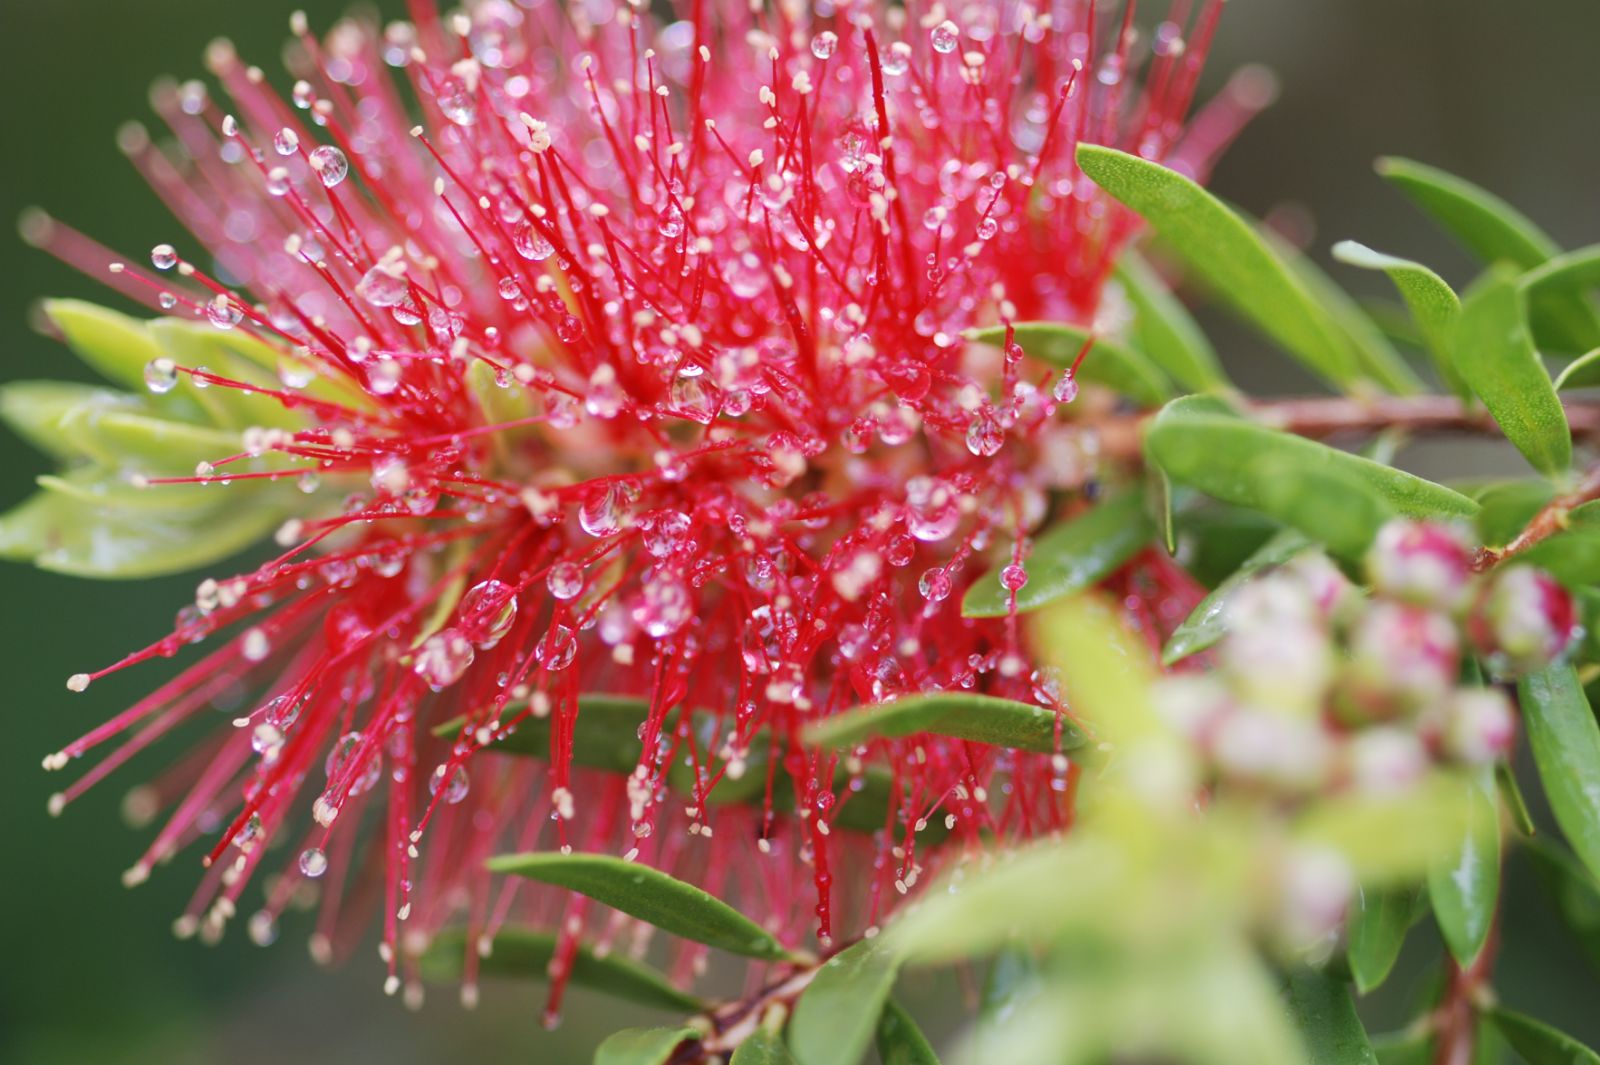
(1505, 93)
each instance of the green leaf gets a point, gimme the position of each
(1505, 779)
(1223, 456)
(1070, 557)
(1466, 889)
(62, 532)
(35, 410)
(1165, 331)
(1573, 558)
(648, 894)
(1330, 503)
(605, 733)
(1013, 978)
(962, 715)
(115, 345)
(1403, 1048)
(1495, 231)
(1556, 293)
(1226, 250)
(1508, 506)
(1575, 890)
(838, 1013)
(1582, 372)
(206, 347)
(525, 953)
(1205, 626)
(1496, 357)
(762, 1048)
(1327, 1021)
(1490, 228)
(1539, 1043)
(1117, 366)
(1433, 303)
(643, 1046)
(900, 1041)
(1390, 840)
(1379, 921)
(131, 439)
(1376, 356)
(1566, 749)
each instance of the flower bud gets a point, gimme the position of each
(1192, 705)
(1315, 885)
(1422, 563)
(1479, 725)
(1332, 595)
(1522, 621)
(1402, 658)
(1283, 753)
(1386, 760)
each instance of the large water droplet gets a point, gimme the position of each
(565, 580)
(603, 510)
(453, 783)
(443, 658)
(945, 36)
(488, 611)
(339, 760)
(663, 607)
(556, 648)
(530, 243)
(160, 375)
(824, 43)
(330, 164)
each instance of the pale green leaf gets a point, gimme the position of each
(1433, 303)
(1540, 1044)
(1377, 929)
(900, 1041)
(762, 1048)
(116, 346)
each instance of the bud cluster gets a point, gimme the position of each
(1321, 686)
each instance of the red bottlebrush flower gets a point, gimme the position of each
(636, 368)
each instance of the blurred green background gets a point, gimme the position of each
(1503, 93)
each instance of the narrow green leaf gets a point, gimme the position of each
(525, 953)
(962, 715)
(99, 487)
(1566, 748)
(1070, 557)
(838, 1013)
(1539, 1043)
(1433, 303)
(1496, 357)
(61, 532)
(1377, 357)
(1389, 840)
(1403, 1048)
(36, 409)
(1242, 462)
(1205, 627)
(1495, 231)
(1327, 1021)
(1582, 372)
(648, 894)
(1013, 978)
(1490, 228)
(1117, 366)
(1164, 329)
(1466, 889)
(900, 1041)
(605, 734)
(202, 346)
(1379, 921)
(1571, 271)
(643, 1046)
(132, 439)
(1557, 297)
(762, 1048)
(1575, 890)
(115, 345)
(1505, 779)
(1573, 558)
(1226, 250)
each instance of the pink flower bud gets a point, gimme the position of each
(1401, 659)
(1386, 760)
(1286, 754)
(1522, 621)
(1332, 595)
(1422, 563)
(1479, 725)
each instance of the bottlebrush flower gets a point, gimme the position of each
(637, 367)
